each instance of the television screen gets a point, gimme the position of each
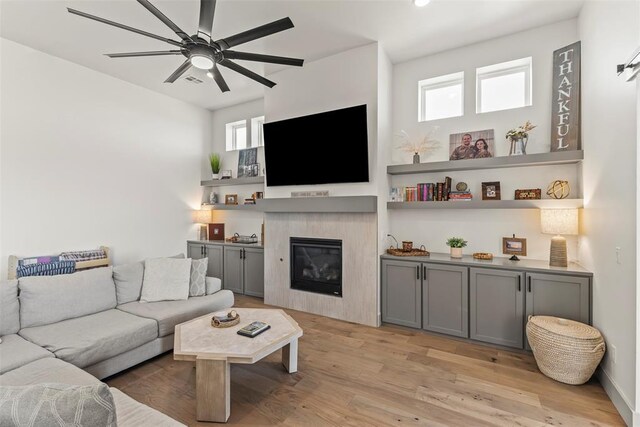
(323, 148)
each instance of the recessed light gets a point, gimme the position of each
(421, 3)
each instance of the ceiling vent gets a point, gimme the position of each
(193, 79)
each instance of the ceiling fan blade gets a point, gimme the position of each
(283, 60)
(255, 33)
(124, 27)
(180, 71)
(151, 53)
(247, 73)
(207, 11)
(168, 22)
(222, 84)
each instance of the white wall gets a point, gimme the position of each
(609, 35)
(89, 160)
(483, 229)
(343, 80)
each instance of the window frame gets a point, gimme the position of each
(505, 69)
(257, 132)
(439, 82)
(231, 134)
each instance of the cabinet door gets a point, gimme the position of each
(445, 299)
(559, 295)
(401, 289)
(195, 250)
(215, 266)
(233, 269)
(497, 306)
(254, 272)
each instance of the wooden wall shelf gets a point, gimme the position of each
(491, 204)
(232, 181)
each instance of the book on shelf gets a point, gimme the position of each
(411, 194)
(460, 195)
(447, 188)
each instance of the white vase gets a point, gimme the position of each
(456, 252)
(215, 176)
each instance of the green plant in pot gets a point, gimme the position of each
(214, 160)
(456, 244)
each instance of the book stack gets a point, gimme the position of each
(427, 192)
(411, 194)
(460, 195)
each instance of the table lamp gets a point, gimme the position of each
(203, 217)
(558, 222)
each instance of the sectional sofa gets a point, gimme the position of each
(79, 328)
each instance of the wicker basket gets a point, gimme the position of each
(565, 350)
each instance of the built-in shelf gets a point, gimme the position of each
(542, 159)
(223, 207)
(490, 204)
(232, 181)
(344, 204)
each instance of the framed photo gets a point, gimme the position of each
(216, 231)
(528, 194)
(514, 246)
(491, 190)
(479, 144)
(231, 199)
(226, 174)
(248, 162)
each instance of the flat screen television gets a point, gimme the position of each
(323, 148)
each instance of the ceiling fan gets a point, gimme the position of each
(201, 50)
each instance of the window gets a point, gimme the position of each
(257, 138)
(236, 135)
(441, 97)
(503, 86)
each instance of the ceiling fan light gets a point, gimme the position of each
(421, 3)
(202, 62)
(209, 74)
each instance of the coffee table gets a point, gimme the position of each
(215, 349)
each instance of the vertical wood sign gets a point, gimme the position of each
(565, 99)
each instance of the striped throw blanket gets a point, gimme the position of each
(48, 269)
(78, 256)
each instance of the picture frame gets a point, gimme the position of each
(478, 144)
(226, 174)
(514, 246)
(491, 190)
(231, 199)
(248, 163)
(528, 194)
(216, 232)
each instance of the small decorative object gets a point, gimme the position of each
(258, 195)
(250, 201)
(232, 318)
(407, 246)
(557, 222)
(213, 198)
(519, 138)
(426, 145)
(462, 186)
(413, 252)
(214, 161)
(231, 199)
(456, 244)
(565, 350)
(528, 194)
(491, 190)
(396, 194)
(472, 145)
(559, 189)
(485, 256)
(248, 163)
(216, 231)
(226, 174)
(237, 238)
(514, 246)
(565, 99)
(204, 218)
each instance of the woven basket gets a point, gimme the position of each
(565, 350)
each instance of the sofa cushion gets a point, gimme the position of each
(15, 351)
(170, 313)
(51, 299)
(86, 340)
(49, 370)
(133, 413)
(50, 404)
(213, 285)
(9, 307)
(128, 280)
(166, 279)
(197, 286)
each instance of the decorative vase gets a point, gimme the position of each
(213, 198)
(215, 176)
(518, 146)
(416, 158)
(456, 252)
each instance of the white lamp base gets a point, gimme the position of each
(558, 253)
(204, 235)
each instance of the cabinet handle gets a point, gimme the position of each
(529, 279)
(205, 250)
(519, 284)
(424, 272)
(244, 254)
(201, 250)
(240, 253)
(418, 272)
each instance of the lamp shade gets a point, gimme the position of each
(203, 216)
(559, 221)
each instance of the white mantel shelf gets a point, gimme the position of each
(345, 204)
(491, 204)
(232, 181)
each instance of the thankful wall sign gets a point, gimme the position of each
(565, 101)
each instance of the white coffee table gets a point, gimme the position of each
(215, 349)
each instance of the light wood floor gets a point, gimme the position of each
(353, 375)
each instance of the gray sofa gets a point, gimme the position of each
(79, 328)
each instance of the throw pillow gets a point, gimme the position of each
(213, 285)
(47, 405)
(128, 278)
(198, 273)
(166, 279)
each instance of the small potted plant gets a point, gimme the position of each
(214, 160)
(456, 244)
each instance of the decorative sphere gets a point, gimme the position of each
(559, 189)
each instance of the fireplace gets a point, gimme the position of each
(316, 265)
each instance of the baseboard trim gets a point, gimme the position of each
(621, 404)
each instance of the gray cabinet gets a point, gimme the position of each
(195, 250)
(253, 272)
(497, 306)
(445, 299)
(401, 287)
(558, 295)
(233, 269)
(215, 254)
